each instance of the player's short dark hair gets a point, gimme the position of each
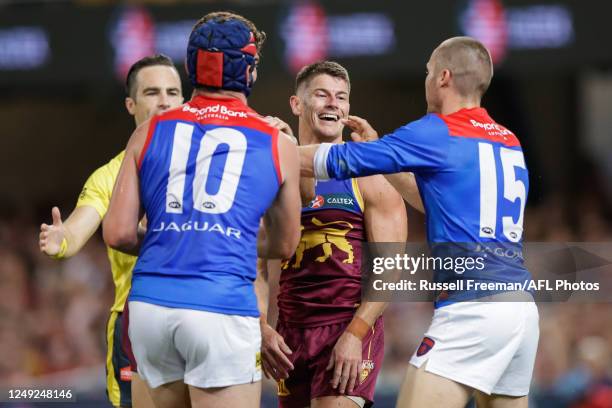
(149, 61)
(330, 68)
(223, 16)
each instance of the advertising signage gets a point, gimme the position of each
(67, 43)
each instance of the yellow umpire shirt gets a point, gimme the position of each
(97, 193)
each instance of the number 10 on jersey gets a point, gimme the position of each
(221, 201)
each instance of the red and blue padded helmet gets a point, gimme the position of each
(221, 54)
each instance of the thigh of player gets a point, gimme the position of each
(242, 395)
(322, 392)
(500, 401)
(294, 391)
(478, 343)
(423, 389)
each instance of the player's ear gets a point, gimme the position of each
(445, 78)
(296, 105)
(130, 105)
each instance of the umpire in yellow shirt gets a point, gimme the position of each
(153, 85)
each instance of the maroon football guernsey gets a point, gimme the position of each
(321, 283)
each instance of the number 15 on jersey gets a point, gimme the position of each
(503, 191)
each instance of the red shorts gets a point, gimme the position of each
(312, 349)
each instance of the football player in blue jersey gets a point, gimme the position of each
(205, 174)
(473, 180)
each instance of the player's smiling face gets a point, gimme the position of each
(325, 101)
(158, 88)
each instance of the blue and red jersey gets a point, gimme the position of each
(472, 177)
(208, 172)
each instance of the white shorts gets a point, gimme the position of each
(489, 346)
(200, 348)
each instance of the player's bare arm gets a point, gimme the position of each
(274, 350)
(307, 190)
(307, 154)
(385, 221)
(282, 220)
(120, 224)
(64, 239)
(404, 183)
(306, 183)
(275, 362)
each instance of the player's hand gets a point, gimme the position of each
(345, 360)
(51, 236)
(280, 125)
(274, 352)
(362, 131)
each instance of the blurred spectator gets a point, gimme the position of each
(52, 314)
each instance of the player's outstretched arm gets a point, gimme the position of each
(120, 226)
(282, 219)
(420, 146)
(404, 183)
(385, 221)
(66, 238)
(62, 239)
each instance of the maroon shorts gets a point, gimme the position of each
(312, 349)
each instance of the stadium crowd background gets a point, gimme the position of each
(55, 132)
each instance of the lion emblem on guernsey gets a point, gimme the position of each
(326, 235)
